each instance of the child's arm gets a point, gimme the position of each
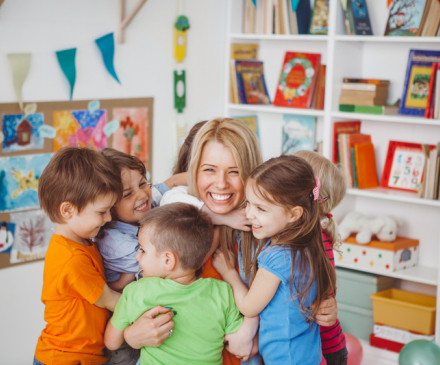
(113, 338)
(108, 299)
(177, 180)
(240, 343)
(250, 302)
(122, 282)
(328, 312)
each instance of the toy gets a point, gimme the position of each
(420, 352)
(354, 349)
(384, 227)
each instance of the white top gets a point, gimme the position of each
(179, 194)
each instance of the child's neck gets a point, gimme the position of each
(182, 277)
(65, 231)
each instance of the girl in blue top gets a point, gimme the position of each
(291, 269)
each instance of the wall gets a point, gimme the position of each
(144, 64)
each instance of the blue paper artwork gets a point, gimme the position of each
(19, 178)
(298, 134)
(7, 231)
(22, 133)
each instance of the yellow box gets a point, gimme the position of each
(405, 310)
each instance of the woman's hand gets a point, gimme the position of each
(219, 263)
(327, 312)
(237, 219)
(149, 331)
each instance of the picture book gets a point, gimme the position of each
(298, 134)
(404, 166)
(21, 133)
(252, 123)
(318, 102)
(250, 82)
(416, 85)
(405, 17)
(366, 166)
(352, 141)
(348, 127)
(240, 51)
(319, 23)
(297, 80)
(432, 20)
(360, 17)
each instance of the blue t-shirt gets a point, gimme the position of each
(285, 336)
(118, 243)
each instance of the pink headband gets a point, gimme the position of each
(316, 189)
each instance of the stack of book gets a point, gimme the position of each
(285, 17)
(354, 153)
(365, 96)
(356, 18)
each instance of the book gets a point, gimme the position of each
(250, 82)
(318, 103)
(378, 109)
(252, 122)
(354, 177)
(352, 141)
(432, 19)
(347, 127)
(420, 188)
(366, 166)
(416, 85)
(345, 13)
(404, 166)
(240, 51)
(430, 174)
(298, 134)
(344, 157)
(360, 17)
(362, 101)
(292, 5)
(268, 17)
(319, 22)
(284, 17)
(363, 87)
(259, 17)
(405, 18)
(436, 94)
(379, 93)
(429, 111)
(297, 80)
(303, 15)
(248, 16)
(366, 81)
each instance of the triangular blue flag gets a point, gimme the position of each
(106, 45)
(255, 2)
(66, 59)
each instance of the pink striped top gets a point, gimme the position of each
(332, 338)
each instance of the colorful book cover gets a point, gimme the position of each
(252, 122)
(405, 17)
(297, 80)
(242, 51)
(361, 19)
(352, 140)
(250, 82)
(319, 23)
(320, 89)
(431, 92)
(298, 134)
(416, 86)
(353, 168)
(349, 127)
(366, 166)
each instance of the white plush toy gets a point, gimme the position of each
(384, 227)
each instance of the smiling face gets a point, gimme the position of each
(267, 219)
(136, 197)
(218, 182)
(150, 261)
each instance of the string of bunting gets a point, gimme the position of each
(20, 63)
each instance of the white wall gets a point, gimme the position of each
(144, 64)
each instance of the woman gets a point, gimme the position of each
(224, 153)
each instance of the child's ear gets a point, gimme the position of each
(295, 213)
(67, 209)
(170, 260)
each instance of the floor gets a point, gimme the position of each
(376, 356)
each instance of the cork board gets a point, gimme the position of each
(47, 108)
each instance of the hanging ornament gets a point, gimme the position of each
(180, 28)
(179, 91)
(66, 59)
(106, 45)
(20, 66)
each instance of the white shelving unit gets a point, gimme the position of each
(358, 57)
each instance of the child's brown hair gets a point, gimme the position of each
(289, 181)
(181, 228)
(122, 160)
(333, 189)
(79, 176)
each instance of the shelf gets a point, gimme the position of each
(418, 274)
(386, 118)
(395, 195)
(386, 39)
(275, 109)
(279, 37)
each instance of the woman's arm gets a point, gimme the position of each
(177, 180)
(235, 219)
(249, 302)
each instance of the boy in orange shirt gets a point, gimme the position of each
(76, 190)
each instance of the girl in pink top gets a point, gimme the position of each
(333, 188)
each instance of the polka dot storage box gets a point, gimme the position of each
(380, 257)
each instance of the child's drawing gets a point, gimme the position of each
(6, 236)
(80, 128)
(19, 178)
(21, 133)
(33, 231)
(132, 135)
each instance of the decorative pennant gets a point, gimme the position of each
(20, 66)
(179, 91)
(106, 45)
(66, 59)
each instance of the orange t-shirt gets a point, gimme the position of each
(209, 272)
(73, 280)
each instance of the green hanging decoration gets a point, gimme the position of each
(179, 100)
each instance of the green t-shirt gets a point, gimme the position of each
(206, 312)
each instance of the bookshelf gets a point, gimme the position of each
(358, 57)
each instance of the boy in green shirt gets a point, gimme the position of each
(174, 241)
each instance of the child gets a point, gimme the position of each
(333, 188)
(174, 240)
(76, 190)
(291, 269)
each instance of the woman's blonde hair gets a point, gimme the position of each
(333, 189)
(240, 139)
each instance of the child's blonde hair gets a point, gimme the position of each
(333, 189)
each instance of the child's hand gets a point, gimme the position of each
(254, 346)
(241, 348)
(237, 219)
(219, 263)
(327, 313)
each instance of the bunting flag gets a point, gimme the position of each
(106, 45)
(20, 66)
(66, 59)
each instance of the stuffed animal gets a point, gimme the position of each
(384, 227)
